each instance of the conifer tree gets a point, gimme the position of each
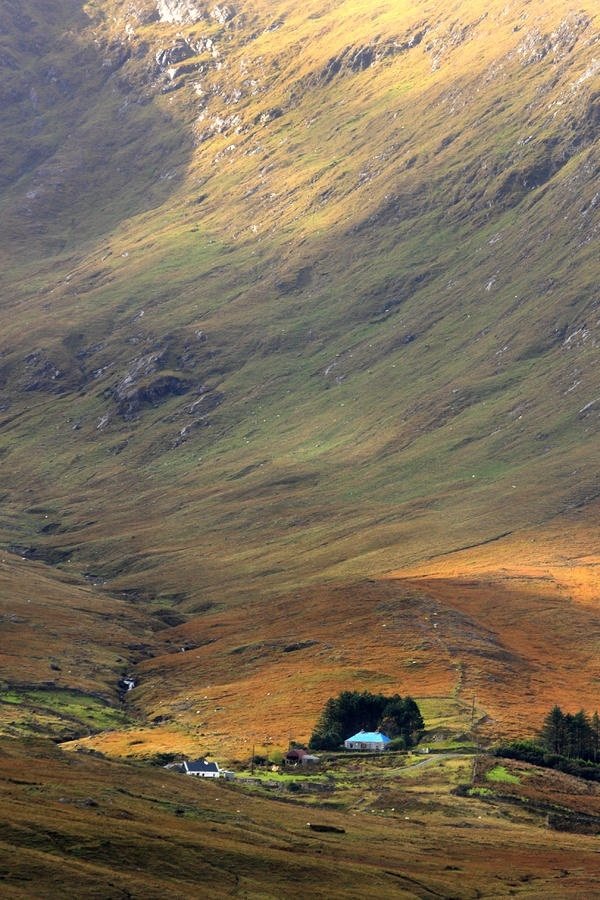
(552, 735)
(595, 726)
(352, 711)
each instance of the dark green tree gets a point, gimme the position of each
(581, 736)
(352, 711)
(552, 735)
(572, 735)
(595, 725)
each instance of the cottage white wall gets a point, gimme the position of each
(361, 745)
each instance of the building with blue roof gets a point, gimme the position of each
(367, 740)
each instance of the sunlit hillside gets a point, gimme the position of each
(299, 325)
(316, 299)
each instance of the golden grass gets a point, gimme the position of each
(71, 824)
(60, 631)
(515, 638)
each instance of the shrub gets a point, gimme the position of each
(533, 753)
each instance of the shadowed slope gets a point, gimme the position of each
(80, 150)
(361, 325)
(64, 650)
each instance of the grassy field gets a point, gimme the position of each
(479, 652)
(74, 824)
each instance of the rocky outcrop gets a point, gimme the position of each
(354, 59)
(180, 12)
(184, 49)
(442, 44)
(222, 14)
(269, 115)
(535, 45)
(43, 373)
(170, 367)
(187, 12)
(152, 393)
(170, 56)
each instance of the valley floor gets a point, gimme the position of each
(76, 825)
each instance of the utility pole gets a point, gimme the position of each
(252, 761)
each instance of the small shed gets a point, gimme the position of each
(295, 757)
(300, 757)
(367, 740)
(309, 760)
(202, 768)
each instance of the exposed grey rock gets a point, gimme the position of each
(565, 37)
(140, 13)
(45, 375)
(222, 14)
(535, 45)
(207, 402)
(152, 394)
(354, 59)
(187, 12)
(168, 369)
(442, 44)
(140, 368)
(268, 115)
(219, 125)
(180, 12)
(204, 45)
(176, 53)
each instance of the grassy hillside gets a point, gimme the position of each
(76, 825)
(510, 640)
(324, 309)
(298, 338)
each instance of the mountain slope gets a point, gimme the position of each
(295, 296)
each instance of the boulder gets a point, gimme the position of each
(179, 51)
(180, 12)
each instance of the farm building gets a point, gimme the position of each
(300, 757)
(202, 768)
(367, 740)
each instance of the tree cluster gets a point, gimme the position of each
(568, 742)
(574, 736)
(397, 717)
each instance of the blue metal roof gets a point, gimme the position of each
(370, 737)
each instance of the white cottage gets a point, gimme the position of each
(367, 740)
(202, 768)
